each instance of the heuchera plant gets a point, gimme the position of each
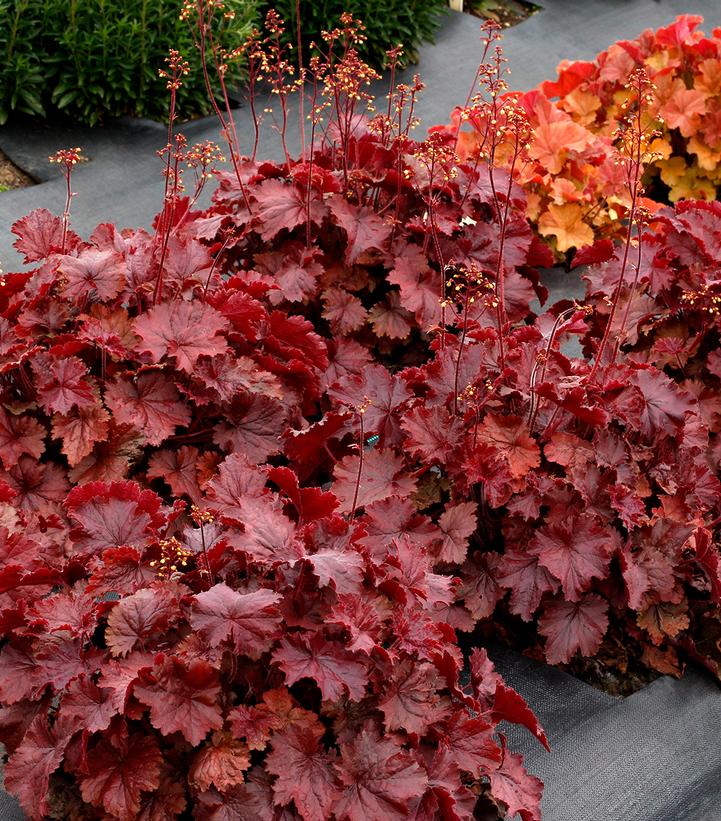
(683, 65)
(553, 466)
(671, 299)
(576, 191)
(191, 620)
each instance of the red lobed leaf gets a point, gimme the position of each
(379, 779)
(93, 274)
(118, 774)
(381, 475)
(183, 330)
(248, 620)
(29, 768)
(364, 228)
(572, 626)
(20, 434)
(328, 663)
(222, 762)
(63, 384)
(150, 403)
(519, 791)
(183, 698)
(141, 618)
(304, 771)
(575, 550)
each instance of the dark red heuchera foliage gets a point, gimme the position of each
(267, 653)
(261, 466)
(584, 488)
(670, 300)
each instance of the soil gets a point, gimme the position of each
(506, 12)
(11, 176)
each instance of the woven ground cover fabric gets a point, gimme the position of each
(654, 756)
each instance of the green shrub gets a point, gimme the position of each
(99, 59)
(387, 22)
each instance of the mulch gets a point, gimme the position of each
(11, 176)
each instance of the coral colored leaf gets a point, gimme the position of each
(509, 434)
(63, 385)
(508, 705)
(565, 223)
(183, 698)
(143, 616)
(39, 234)
(519, 791)
(381, 475)
(363, 227)
(572, 626)
(334, 669)
(575, 550)
(457, 523)
(222, 762)
(150, 403)
(554, 135)
(97, 275)
(248, 620)
(183, 330)
(304, 772)
(18, 435)
(119, 773)
(29, 768)
(379, 779)
(410, 700)
(683, 109)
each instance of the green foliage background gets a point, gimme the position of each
(388, 22)
(99, 59)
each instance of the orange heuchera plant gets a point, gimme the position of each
(575, 184)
